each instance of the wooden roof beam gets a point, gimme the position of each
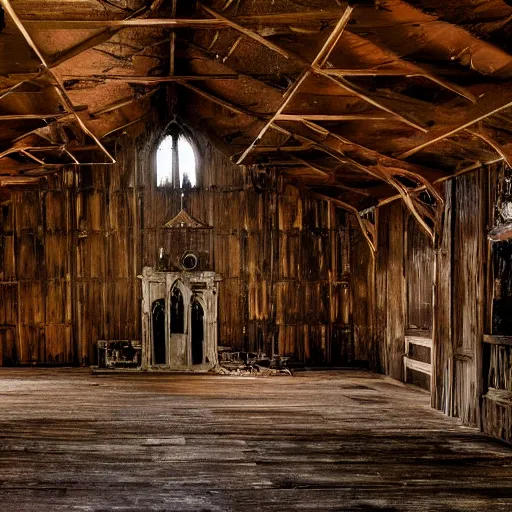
(443, 133)
(385, 160)
(345, 84)
(304, 163)
(415, 71)
(72, 156)
(486, 137)
(290, 18)
(82, 46)
(31, 156)
(60, 88)
(100, 37)
(281, 149)
(315, 67)
(388, 175)
(322, 56)
(13, 88)
(22, 117)
(124, 126)
(367, 229)
(287, 97)
(399, 71)
(460, 172)
(222, 102)
(146, 79)
(330, 175)
(286, 18)
(172, 42)
(197, 23)
(30, 148)
(122, 103)
(333, 117)
(249, 33)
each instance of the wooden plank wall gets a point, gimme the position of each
(70, 253)
(367, 344)
(459, 295)
(468, 295)
(419, 280)
(380, 283)
(442, 360)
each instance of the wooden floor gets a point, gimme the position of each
(316, 441)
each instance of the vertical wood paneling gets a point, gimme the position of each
(442, 360)
(381, 290)
(468, 285)
(73, 249)
(459, 305)
(419, 268)
(395, 335)
(363, 304)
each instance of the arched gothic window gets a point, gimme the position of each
(176, 161)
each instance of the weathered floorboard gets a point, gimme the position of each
(316, 441)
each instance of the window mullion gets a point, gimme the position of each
(175, 163)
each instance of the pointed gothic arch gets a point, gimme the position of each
(177, 158)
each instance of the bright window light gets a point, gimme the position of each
(187, 160)
(166, 163)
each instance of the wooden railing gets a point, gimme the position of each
(413, 364)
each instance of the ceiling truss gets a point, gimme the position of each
(383, 109)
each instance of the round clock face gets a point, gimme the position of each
(189, 261)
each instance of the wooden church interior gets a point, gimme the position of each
(315, 185)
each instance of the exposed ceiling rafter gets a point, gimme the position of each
(321, 56)
(127, 23)
(443, 133)
(60, 87)
(391, 175)
(414, 71)
(353, 152)
(330, 176)
(486, 137)
(147, 79)
(368, 229)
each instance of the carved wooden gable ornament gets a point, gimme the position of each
(183, 220)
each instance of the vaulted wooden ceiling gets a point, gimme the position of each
(359, 102)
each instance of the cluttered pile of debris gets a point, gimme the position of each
(250, 363)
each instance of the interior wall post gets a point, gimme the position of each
(442, 354)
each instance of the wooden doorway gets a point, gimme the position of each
(419, 279)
